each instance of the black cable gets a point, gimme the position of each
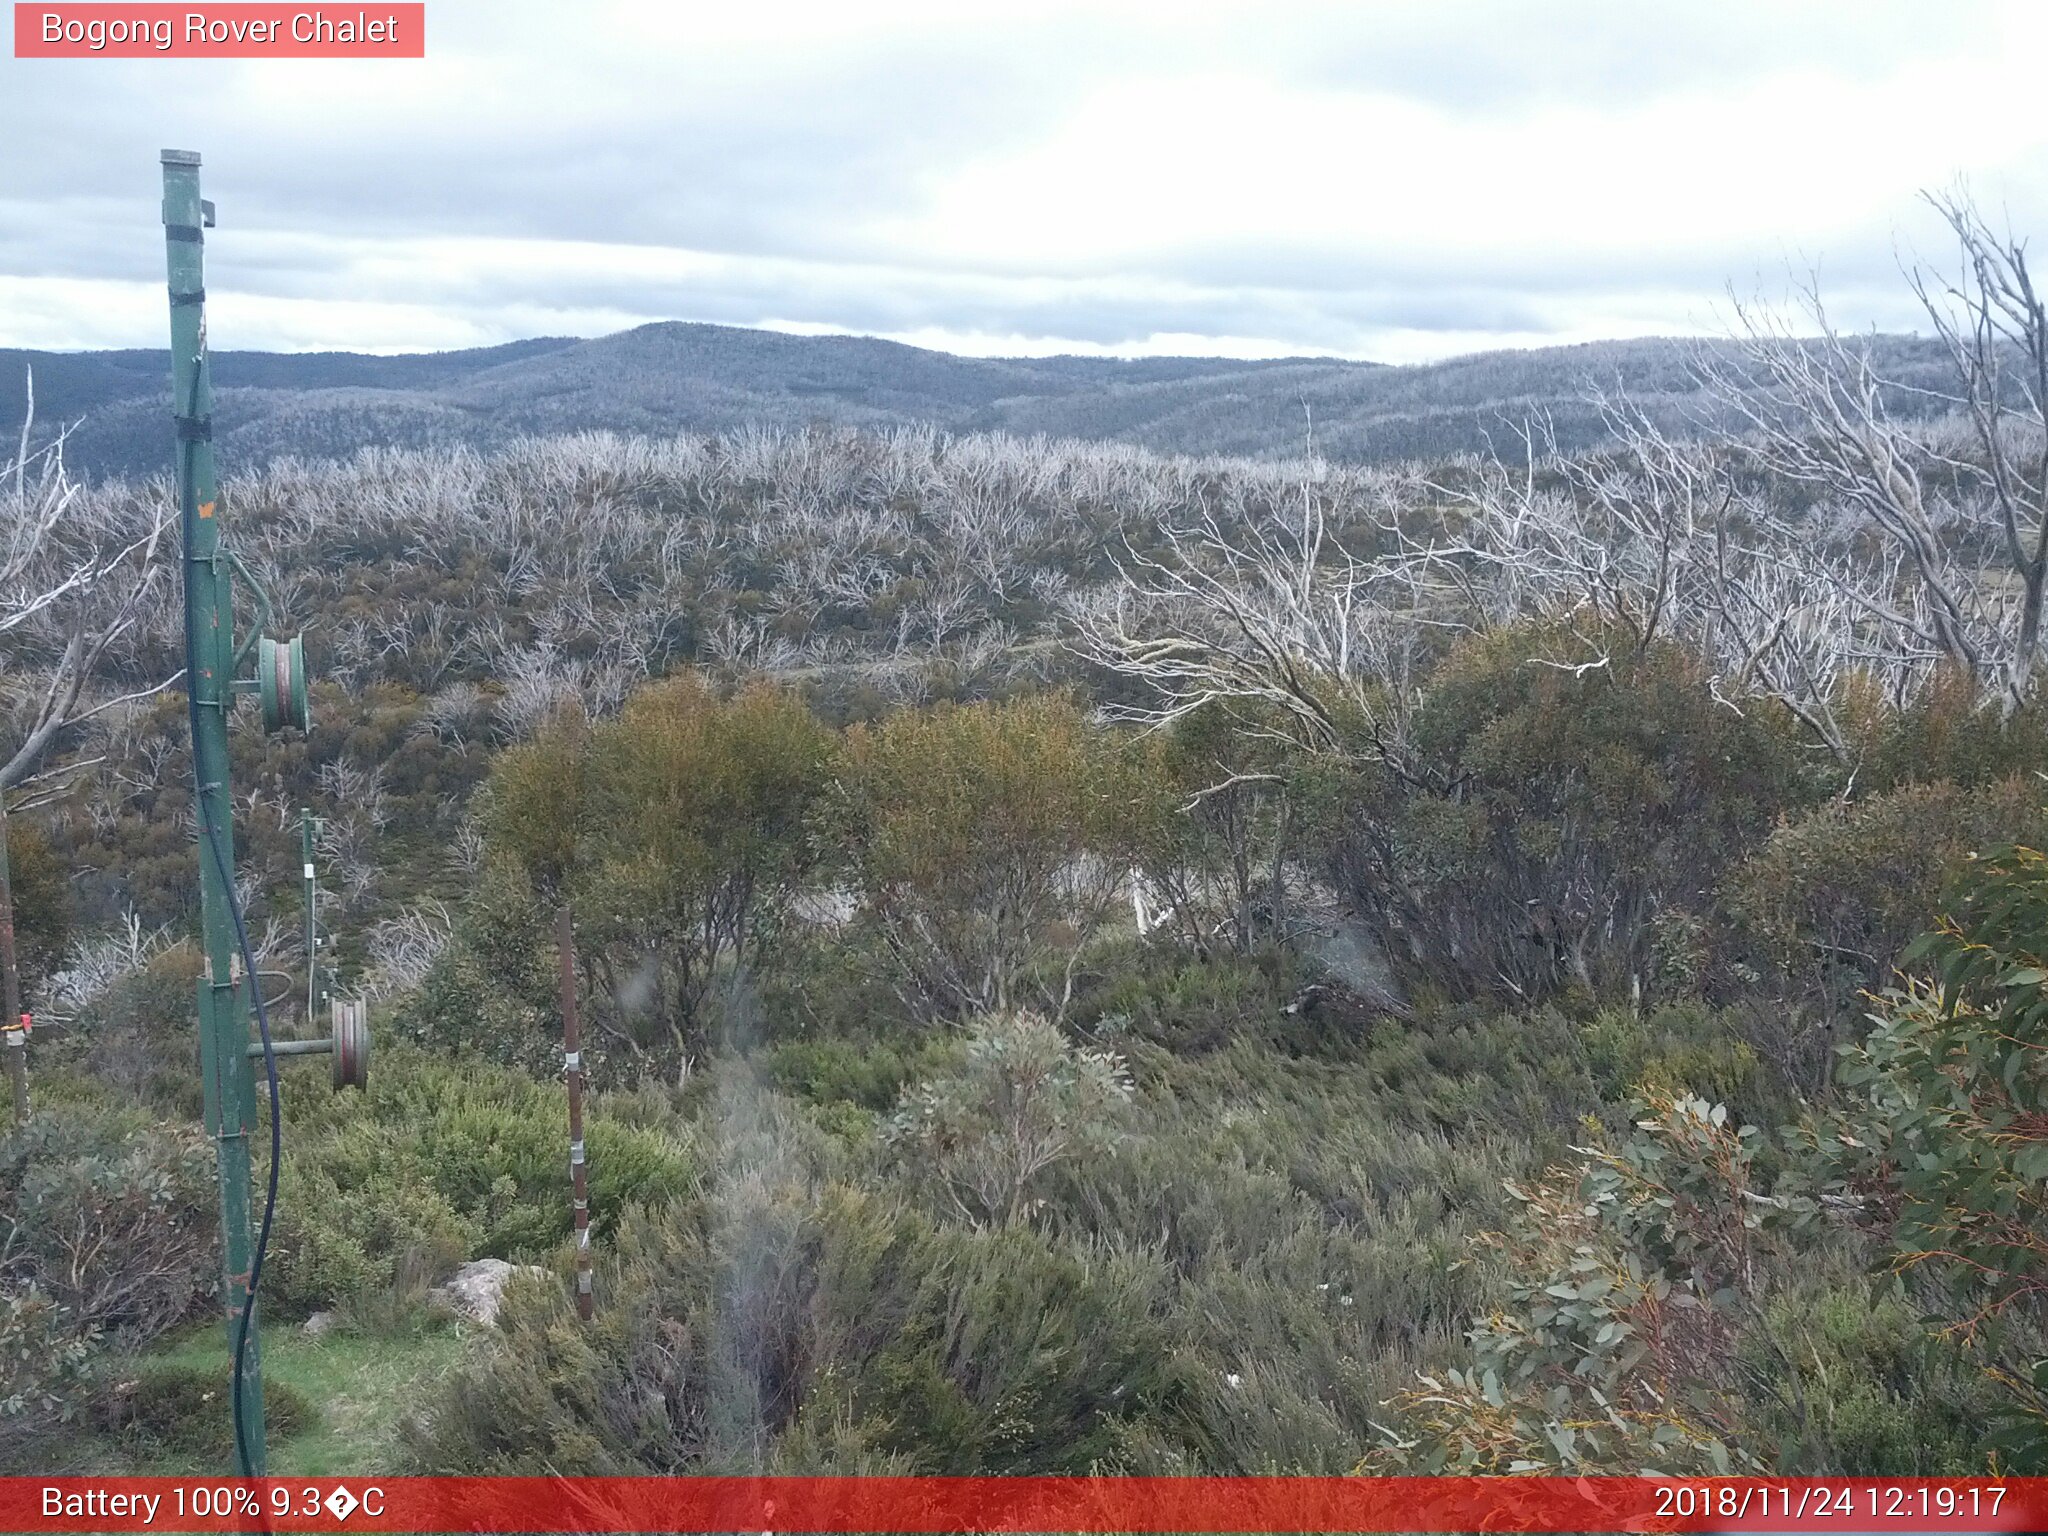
(276, 1148)
(227, 880)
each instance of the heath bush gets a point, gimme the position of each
(1832, 899)
(111, 1214)
(989, 843)
(1551, 816)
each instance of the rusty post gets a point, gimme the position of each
(14, 1037)
(572, 1063)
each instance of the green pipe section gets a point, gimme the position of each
(291, 1048)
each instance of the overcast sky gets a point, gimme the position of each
(1384, 180)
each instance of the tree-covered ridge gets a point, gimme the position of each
(664, 378)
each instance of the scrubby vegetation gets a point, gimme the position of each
(1094, 961)
(1217, 1207)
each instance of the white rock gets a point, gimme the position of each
(477, 1290)
(320, 1324)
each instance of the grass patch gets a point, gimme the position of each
(358, 1388)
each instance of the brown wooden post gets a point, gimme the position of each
(12, 1037)
(572, 1062)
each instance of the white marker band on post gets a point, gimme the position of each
(575, 1152)
(572, 1061)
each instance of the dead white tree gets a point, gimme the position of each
(403, 949)
(1648, 540)
(1996, 331)
(98, 961)
(1266, 614)
(70, 588)
(1961, 513)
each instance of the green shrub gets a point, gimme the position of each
(1192, 1006)
(1216, 835)
(1296, 1226)
(1551, 815)
(445, 1160)
(989, 844)
(728, 1345)
(335, 1241)
(184, 1411)
(1950, 735)
(494, 990)
(867, 1073)
(1021, 1102)
(108, 1236)
(43, 904)
(829, 982)
(46, 1360)
(1672, 1050)
(1619, 1349)
(112, 1215)
(1941, 1140)
(136, 1037)
(1850, 1383)
(1834, 898)
(679, 832)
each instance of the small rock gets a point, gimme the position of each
(320, 1324)
(477, 1290)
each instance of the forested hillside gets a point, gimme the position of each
(661, 379)
(1091, 958)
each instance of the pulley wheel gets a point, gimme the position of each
(281, 683)
(351, 1053)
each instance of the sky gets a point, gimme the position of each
(1374, 179)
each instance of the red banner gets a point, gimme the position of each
(921, 1504)
(235, 31)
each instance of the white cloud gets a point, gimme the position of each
(1398, 180)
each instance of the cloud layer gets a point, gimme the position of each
(1398, 180)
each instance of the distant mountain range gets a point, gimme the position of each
(672, 377)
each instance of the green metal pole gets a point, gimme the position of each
(230, 1083)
